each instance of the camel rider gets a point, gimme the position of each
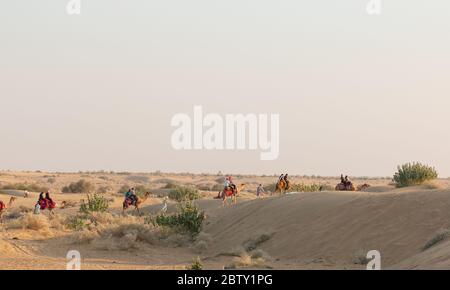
(131, 195)
(280, 178)
(346, 180)
(226, 184)
(342, 179)
(286, 180)
(231, 184)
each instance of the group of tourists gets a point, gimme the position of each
(44, 202)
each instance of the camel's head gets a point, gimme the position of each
(12, 200)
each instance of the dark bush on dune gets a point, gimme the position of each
(81, 186)
(414, 174)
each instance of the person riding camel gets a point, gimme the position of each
(42, 201)
(232, 185)
(131, 196)
(226, 183)
(50, 202)
(285, 178)
(346, 180)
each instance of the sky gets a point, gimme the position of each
(356, 93)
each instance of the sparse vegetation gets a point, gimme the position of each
(301, 187)
(189, 219)
(51, 180)
(360, 258)
(95, 203)
(183, 193)
(81, 186)
(196, 265)
(75, 223)
(414, 174)
(440, 236)
(253, 243)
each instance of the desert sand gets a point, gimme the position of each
(303, 230)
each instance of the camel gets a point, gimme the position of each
(137, 204)
(345, 187)
(228, 193)
(4, 209)
(281, 186)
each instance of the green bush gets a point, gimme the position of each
(196, 264)
(414, 174)
(81, 186)
(76, 223)
(183, 193)
(189, 219)
(95, 203)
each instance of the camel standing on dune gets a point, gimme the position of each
(137, 204)
(345, 187)
(281, 187)
(4, 209)
(228, 193)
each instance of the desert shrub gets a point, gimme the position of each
(305, 187)
(360, 258)
(182, 193)
(440, 236)
(51, 180)
(246, 261)
(254, 242)
(76, 223)
(95, 203)
(196, 264)
(81, 186)
(414, 174)
(25, 186)
(189, 219)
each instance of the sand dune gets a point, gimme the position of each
(333, 228)
(320, 230)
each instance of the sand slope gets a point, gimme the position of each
(326, 230)
(329, 229)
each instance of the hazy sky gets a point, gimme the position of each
(356, 93)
